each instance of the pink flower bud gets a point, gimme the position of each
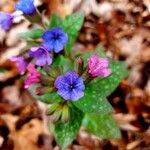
(33, 76)
(98, 66)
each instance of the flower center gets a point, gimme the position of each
(56, 36)
(71, 87)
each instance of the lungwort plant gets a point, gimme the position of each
(74, 85)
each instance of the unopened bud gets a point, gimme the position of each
(57, 114)
(52, 108)
(79, 65)
(46, 80)
(85, 75)
(53, 72)
(65, 114)
(43, 90)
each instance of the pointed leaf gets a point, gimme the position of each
(93, 102)
(72, 25)
(103, 126)
(32, 34)
(46, 98)
(55, 21)
(50, 98)
(66, 132)
(64, 63)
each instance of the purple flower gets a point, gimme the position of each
(6, 20)
(55, 39)
(26, 6)
(98, 66)
(70, 86)
(20, 63)
(41, 56)
(33, 76)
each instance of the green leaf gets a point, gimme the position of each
(72, 25)
(87, 55)
(93, 101)
(66, 132)
(64, 63)
(50, 98)
(32, 34)
(103, 126)
(107, 85)
(99, 50)
(55, 21)
(46, 98)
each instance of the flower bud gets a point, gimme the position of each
(53, 72)
(43, 90)
(46, 80)
(79, 65)
(65, 114)
(57, 114)
(52, 108)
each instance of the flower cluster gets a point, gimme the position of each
(69, 85)
(53, 41)
(42, 54)
(68, 80)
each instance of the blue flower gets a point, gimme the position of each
(55, 39)
(41, 56)
(26, 6)
(6, 21)
(70, 86)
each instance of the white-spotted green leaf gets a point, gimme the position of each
(72, 25)
(93, 101)
(103, 126)
(65, 133)
(107, 85)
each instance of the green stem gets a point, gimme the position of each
(42, 22)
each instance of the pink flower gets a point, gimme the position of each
(21, 63)
(33, 76)
(98, 66)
